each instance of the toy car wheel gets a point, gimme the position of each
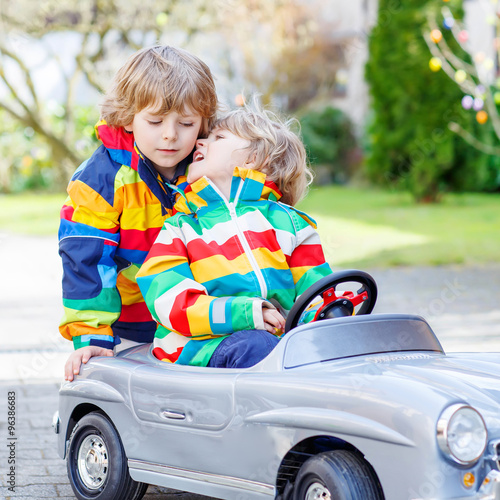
(96, 462)
(336, 475)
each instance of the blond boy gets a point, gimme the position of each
(159, 103)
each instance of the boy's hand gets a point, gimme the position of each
(82, 355)
(274, 322)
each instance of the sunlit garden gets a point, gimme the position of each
(398, 110)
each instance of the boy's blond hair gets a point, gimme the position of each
(274, 148)
(168, 78)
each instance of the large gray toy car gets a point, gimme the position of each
(355, 407)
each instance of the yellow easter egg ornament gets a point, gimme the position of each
(435, 64)
(460, 76)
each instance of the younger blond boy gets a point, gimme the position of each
(227, 267)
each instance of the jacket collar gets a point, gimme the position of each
(247, 185)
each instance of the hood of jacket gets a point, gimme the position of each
(119, 143)
(247, 186)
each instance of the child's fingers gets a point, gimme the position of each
(274, 321)
(269, 317)
(77, 362)
(269, 328)
(276, 318)
(68, 372)
(273, 329)
(71, 368)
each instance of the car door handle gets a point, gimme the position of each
(175, 415)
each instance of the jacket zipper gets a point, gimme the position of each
(246, 247)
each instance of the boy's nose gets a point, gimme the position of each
(169, 132)
(200, 143)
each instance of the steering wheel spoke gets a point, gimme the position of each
(336, 304)
(358, 299)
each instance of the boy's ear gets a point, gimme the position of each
(128, 128)
(251, 162)
(261, 166)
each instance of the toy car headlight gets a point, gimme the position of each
(462, 434)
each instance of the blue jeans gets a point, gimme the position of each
(243, 349)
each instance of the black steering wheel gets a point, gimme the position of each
(336, 304)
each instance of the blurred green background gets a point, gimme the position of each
(398, 105)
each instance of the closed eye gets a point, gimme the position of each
(154, 122)
(187, 124)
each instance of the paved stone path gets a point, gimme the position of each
(461, 305)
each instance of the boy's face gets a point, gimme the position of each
(216, 156)
(165, 139)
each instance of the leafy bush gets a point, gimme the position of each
(330, 142)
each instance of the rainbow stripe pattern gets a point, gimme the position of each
(216, 261)
(113, 214)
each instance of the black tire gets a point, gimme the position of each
(339, 475)
(96, 462)
(140, 490)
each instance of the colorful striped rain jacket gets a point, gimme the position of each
(116, 207)
(216, 262)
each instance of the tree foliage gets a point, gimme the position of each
(102, 29)
(473, 73)
(273, 47)
(411, 145)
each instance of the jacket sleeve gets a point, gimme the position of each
(307, 262)
(88, 238)
(181, 304)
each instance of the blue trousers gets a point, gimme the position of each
(243, 349)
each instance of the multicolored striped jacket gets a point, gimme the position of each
(116, 207)
(216, 262)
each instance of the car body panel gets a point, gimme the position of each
(168, 397)
(226, 432)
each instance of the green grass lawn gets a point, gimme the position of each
(358, 227)
(30, 213)
(369, 228)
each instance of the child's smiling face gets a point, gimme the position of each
(165, 139)
(216, 156)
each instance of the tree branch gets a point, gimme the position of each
(467, 86)
(456, 29)
(473, 141)
(55, 142)
(13, 113)
(81, 58)
(27, 76)
(493, 113)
